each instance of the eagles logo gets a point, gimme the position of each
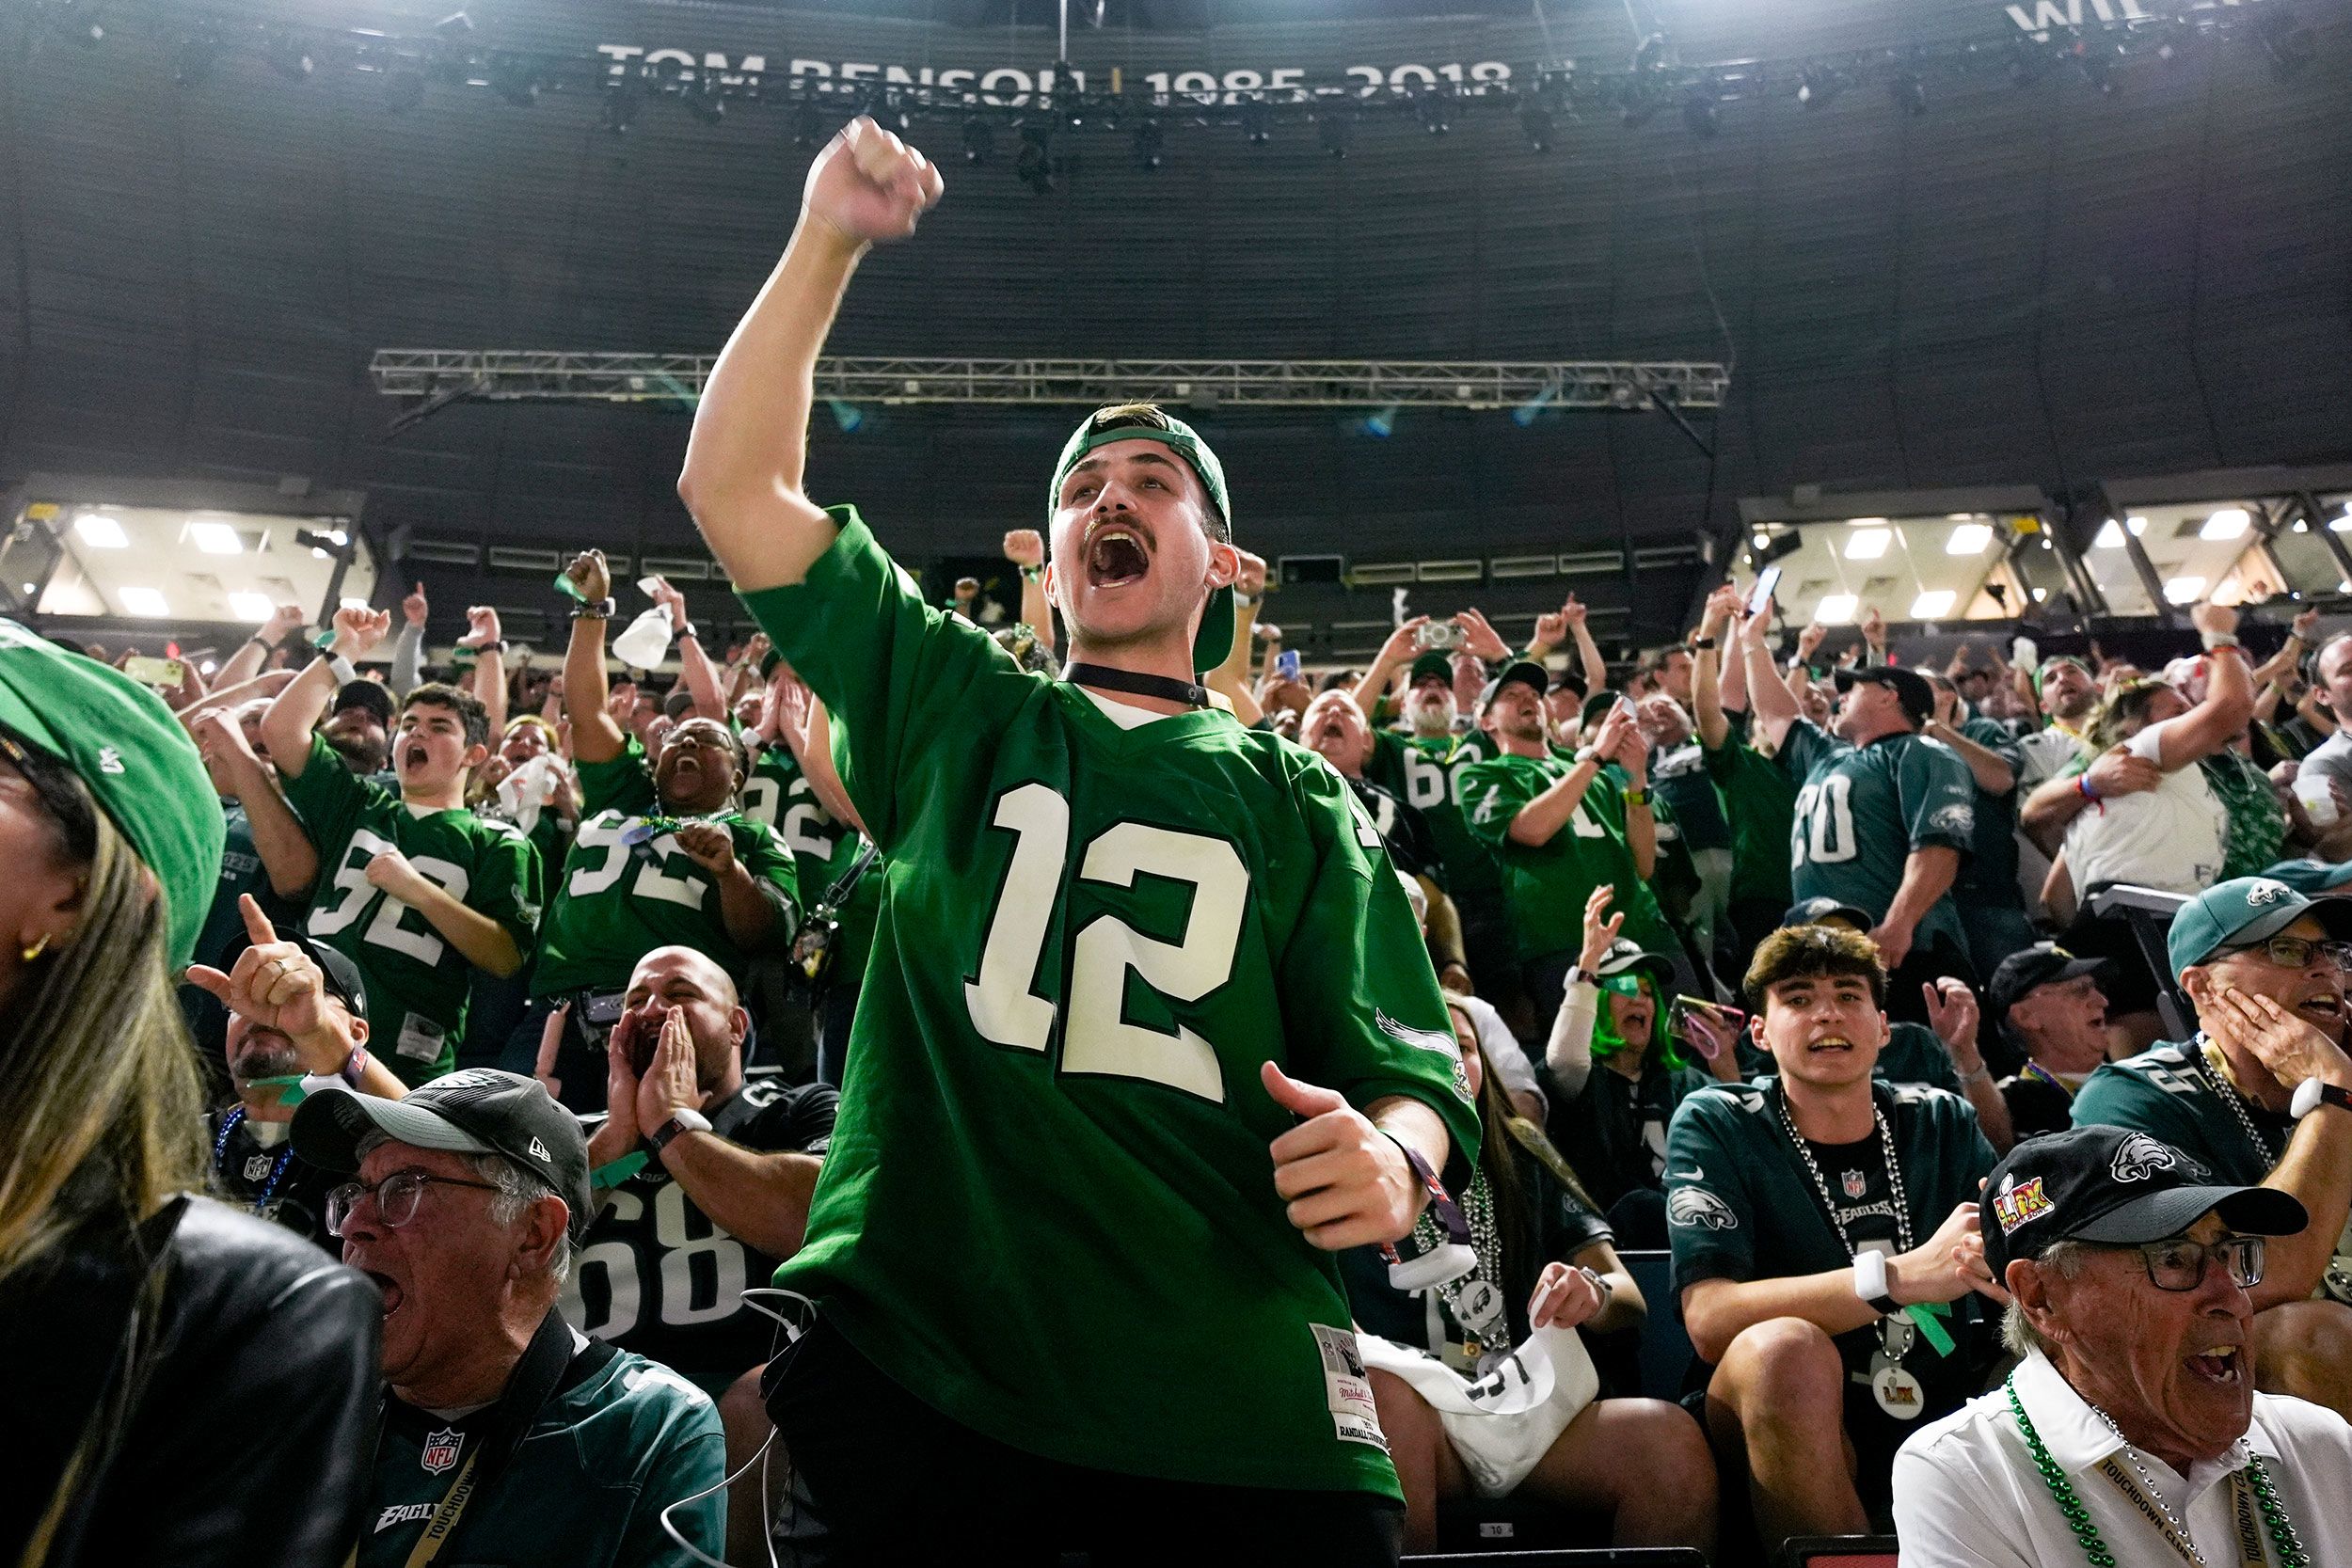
(2138, 1155)
(1955, 818)
(2266, 891)
(1690, 1206)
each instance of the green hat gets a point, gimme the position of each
(1214, 640)
(134, 759)
(1429, 665)
(2244, 911)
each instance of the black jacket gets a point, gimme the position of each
(248, 1440)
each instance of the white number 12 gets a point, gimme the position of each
(1096, 1036)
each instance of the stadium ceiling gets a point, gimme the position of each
(440, 376)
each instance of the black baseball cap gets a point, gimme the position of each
(1430, 666)
(476, 1111)
(2116, 1187)
(373, 695)
(2044, 963)
(1911, 688)
(1812, 911)
(1519, 672)
(340, 975)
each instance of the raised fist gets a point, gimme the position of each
(2213, 620)
(1024, 547)
(591, 576)
(869, 185)
(358, 630)
(482, 627)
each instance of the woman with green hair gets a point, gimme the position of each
(1617, 1074)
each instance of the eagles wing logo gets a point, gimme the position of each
(2266, 891)
(1697, 1205)
(1955, 818)
(2140, 1154)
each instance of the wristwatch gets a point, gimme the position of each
(1869, 1283)
(2311, 1094)
(593, 609)
(1702, 644)
(1579, 972)
(682, 1120)
(355, 1066)
(1637, 797)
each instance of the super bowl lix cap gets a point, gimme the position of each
(2114, 1187)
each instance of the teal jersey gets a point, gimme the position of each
(1863, 811)
(1545, 885)
(1990, 872)
(621, 1439)
(1090, 937)
(241, 872)
(418, 982)
(1760, 806)
(1680, 780)
(1741, 1203)
(779, 794)
(2173, 1095)
(628, 889)
(1426, 775)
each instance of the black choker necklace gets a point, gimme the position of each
(1190, 693)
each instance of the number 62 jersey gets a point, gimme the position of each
(1049, 1206)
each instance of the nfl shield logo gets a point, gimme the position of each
(257, 1168)
(1853, 1184)
(440, 1449)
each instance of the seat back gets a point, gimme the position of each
(1666, 1352)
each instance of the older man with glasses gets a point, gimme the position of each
(2131, 1431)
(507, 1437)
(2263, 1096)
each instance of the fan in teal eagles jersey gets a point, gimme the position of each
(1824, 1233)
(413, 887)
(1070, 1219)
(664, 857)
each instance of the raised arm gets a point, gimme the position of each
(1707, 669)
(289, 858)
(245, 663)
(1231, 677)
(696, 668)
(1769, 697)
(595, 736)
(746, 457)
(816, 758)
(1396, 653)
(286, 727)
(408, 647)
(2228, 703)
(482, 635)
(1025, 548)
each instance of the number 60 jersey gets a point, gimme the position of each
(1049, 1207)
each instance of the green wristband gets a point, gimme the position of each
(613, 1173)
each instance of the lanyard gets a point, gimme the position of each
(542, 1367)
(2035, 1070)
(1137, 683)
(2170, 1526)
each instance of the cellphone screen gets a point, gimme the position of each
(1286, 664)
(1766, 582)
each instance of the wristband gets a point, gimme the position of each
(355, 1066)
(2082, 788)
(593, 609)
(1982, 1074)
(612, 1173)
(2214, 644)
(1441, 1265)
(1579, 975)
(682, 1120)
(344, 671)
(1637, 794)
(1033, 574)
(1702, 644)
(2311, 1094)
(1869, 1283)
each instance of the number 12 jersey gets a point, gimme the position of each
(1049, 1207)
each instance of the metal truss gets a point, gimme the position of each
(444, 375)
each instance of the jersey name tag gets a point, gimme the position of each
(1347, 1387)
(421, 1038)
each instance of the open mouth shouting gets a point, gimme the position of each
(2224, 1365)
(390, 1287)
(415, 755)
(2324, 1008)
(1117, 554)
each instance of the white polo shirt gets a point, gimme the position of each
(1967, 1495)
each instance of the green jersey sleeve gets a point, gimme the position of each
(1807, 747)
(1493, 795)
(1373, 1022)
(625, 783)
(1939, 798)
(902, 677)
(1710, 1213)
(507, 876)
(331, 800)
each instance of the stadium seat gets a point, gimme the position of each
(1515, 1525)
(1666, 1352)
(1839, 1551)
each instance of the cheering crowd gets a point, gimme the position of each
(1197, 1107)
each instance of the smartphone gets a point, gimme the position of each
(1766, 581)
(164, 675)
(1286, 664)
(1442, 636)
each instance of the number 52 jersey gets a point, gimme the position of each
(1049, 1207)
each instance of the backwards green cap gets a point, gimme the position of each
(134, 759)
(1144, 421)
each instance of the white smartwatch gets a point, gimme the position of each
(2311, 1094)
(1869, 1282)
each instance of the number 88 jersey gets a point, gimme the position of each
(1049, 1205)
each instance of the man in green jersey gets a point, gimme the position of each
(2261, 1095)
(1883, 817)
(1758, 799)
(1071, 1252)
(1987, 887)
(664, 858)
(1825, 1243)
(506, 1437)
(413, 887)
(1422, 768)
(1548, 823)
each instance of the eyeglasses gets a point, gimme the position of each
(2297, 951)
(2179, 1264)
(396, 1197)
